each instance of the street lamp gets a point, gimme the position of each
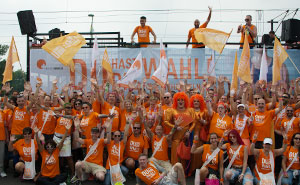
(92, 28)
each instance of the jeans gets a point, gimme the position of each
(52, 181)
(289, 179)
(107, 180)
(237, 173)
(2, 150)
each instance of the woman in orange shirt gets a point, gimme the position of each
(77, 111)
(238, 169)
(265, 163)
(212, 169)
(50, 172)
(288, 157)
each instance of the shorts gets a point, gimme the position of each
(170, 179)
(213, 172)
(291, 179)
(237, 172)
(66, 149)
(165, 164)
(93, 168)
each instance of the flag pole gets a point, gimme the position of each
(294, 65)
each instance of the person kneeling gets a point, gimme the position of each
(149, 173)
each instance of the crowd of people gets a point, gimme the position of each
(157, 135)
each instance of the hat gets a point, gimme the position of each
(268, 141)
(241, 105)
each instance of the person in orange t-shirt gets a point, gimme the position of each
(250, 29)
(50, 172)
(239, 171)
(263, 157)
(215, 166)
(220, 121)
(3, 138)
(143, 32)
(290, 124)
(197, 25)
(149, 173)
(136, 144)
(93, 162)
(126, 111)
(288, 156)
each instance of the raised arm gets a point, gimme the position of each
(281, 150)
(194, 149)
(40, 145)
(254, 151)
(209, 15)
(76, 132)
(6, 88)
(108, 124)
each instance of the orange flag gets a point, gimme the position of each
(244, 66)
(279, 56)
(64, 48)
(234, 79)
(11, 59)
(107, 72)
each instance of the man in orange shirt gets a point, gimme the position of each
(250, 29)
(143, 32)
(197, 25)
(290, 124)
(149, 173)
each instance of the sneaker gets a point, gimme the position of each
(3, 174)
(74, 179)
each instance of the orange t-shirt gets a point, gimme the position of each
(278, 118)
(87, 123)
(262, 123)
(143, 34)
(219, 125)
(214, 163)
(123, 116)
(167, 129)
(162, 152)
(290, 154)
(113, 153)
(238, 125)
(50, 123)
(61, 125)
(239, 157)
(51, 168)
(294, 128)
(250, 40)
(97, 156)
(2, 126)
(8, 118)
(24, 149)
(20, 120)
(297, 113)
(263, 163)
(77, 113)
(96, 106)
(106, 108)
(135, 146)
(192, 35)
(148, 175)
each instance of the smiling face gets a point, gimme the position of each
(297, 140)
(181, 103)
(167, 98)
(196, 103)
(159, 130)
(196, 23)
(289, 112)
(21, 101)
(221, 110)
(86, 109)
(117, 136)
(213, 139)
(137, 129)
(143, 22)
(143, 161)
(248, 20)
(261, 104)
(111, 98)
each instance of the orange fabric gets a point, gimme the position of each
(2, 126)
(77, 113)
(50, 123)
(148, 175)
(96, 106)
(239, 157)
(113, 153)
(97, 156)
(214, 163)
(87, 123)
(250, 40)
(290, 154)
(162, 152)
(8, 118)
(167, 129)
(20, 120)
(135, 146)
(116, 122)
(262, 124)
(278, 118)
(61, 125)
(294, 127)
(192, 35)
(51, 169)
(219, 125)
(297, 113)
(143, 34)
(123, 116)
(263, 163)
(239, 124)
(24, 150)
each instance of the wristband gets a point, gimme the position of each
(221, 180)
(195, 141)
(254, 141)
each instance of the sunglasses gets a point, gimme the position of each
(285, 97)
(117, 135)
(166, 97)
(49, 147)
(297, 138)
(136, 127)
(68, 107)
(85, 107)
(256, 98)
(247, 19)
(26, 134)
(77, 103)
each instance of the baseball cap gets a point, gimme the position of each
(268, 141)
(241, 105)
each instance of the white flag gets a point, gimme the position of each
(95, 57)
(263, 66)
(211, 65)
(160, 76)
(134, 72)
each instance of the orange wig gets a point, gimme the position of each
(180, 95)
(201, 100)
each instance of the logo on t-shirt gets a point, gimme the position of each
(221, 124)
(231, 153)
(291, 157)
(27, 151)
(213, 161)
(50, 161)
(259, 119)
(95, 151)
(155, 146)
(115, 150)
(142, 33)
(134, 146)
(148, 173)
(84, 122)
(19, 115)
(265, 164)
(45, 115)
(64, 122)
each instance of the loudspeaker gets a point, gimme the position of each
(290, 30)
(54, 33)
(26, 22)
